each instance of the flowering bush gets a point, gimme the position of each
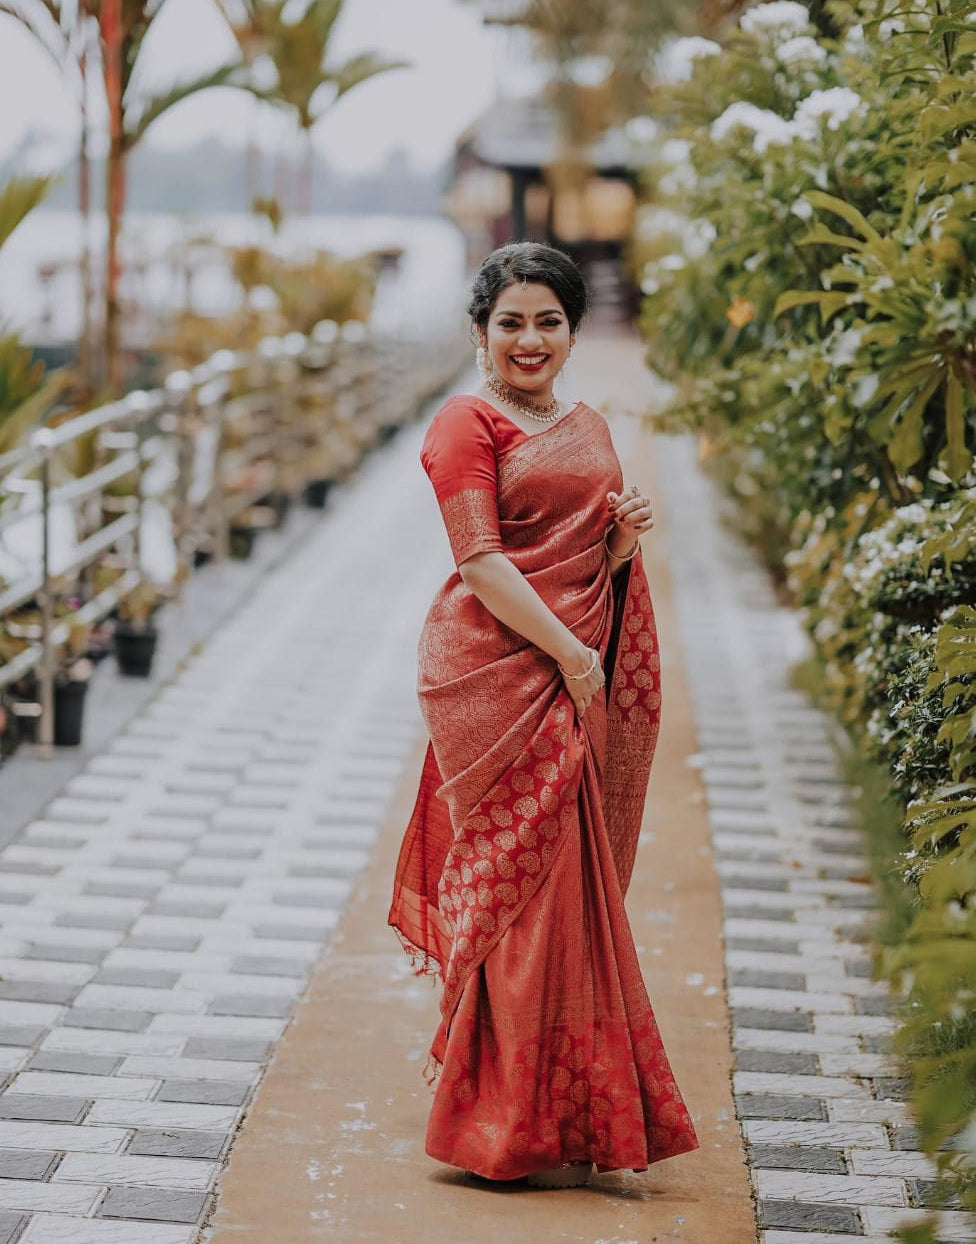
(807, 256)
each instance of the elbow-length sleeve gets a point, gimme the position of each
(458, 455)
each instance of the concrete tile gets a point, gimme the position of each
(127, 1168)
(54, 1109)
(64, 1084)
(797, 1085)
(29, 1194)
(62, 1229)
(163, 1205)
(829, 1189)
(837, 1135)
(26, 1164)
(207, 1092)
(173, 1142)
(163, 1114)
(84, 1064)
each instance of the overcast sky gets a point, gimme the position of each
(458, 66)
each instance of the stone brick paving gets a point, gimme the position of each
(159, 918)
(833, 1154)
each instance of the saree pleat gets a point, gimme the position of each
(511, 878)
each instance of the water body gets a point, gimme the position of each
(40, 294)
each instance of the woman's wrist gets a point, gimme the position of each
(621, 543)
(575, 657)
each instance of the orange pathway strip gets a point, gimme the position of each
(333, 1147)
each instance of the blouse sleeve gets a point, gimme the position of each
(458, 455)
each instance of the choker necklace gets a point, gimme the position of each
(548, 413)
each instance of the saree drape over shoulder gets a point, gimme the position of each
(511, 878)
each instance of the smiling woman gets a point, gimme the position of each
(539, 682)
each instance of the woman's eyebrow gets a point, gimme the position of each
(518, 314)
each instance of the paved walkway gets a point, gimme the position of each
(160, 918)
(833, 1154)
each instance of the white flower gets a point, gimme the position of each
(674, 151)
(802, 209)
(845, 348)
(675, 61)
(890, 26)
(854, 39)
(834, 106)
(864, 389)
(699, 237)
(641, 129)
(767, 127)
(800, 50)
(671, 263)
(785, 15)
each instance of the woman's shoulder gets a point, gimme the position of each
(464, 407)
(461, 425)
(462, 416)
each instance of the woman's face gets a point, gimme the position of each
(527, 337)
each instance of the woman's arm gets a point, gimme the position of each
(620, 543)
(505, 592)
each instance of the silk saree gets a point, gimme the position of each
(511, 878)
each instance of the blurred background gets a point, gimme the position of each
(235, 237)
(300, 161)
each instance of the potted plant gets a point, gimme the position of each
(245, 525)
(135, 630)
(71, 684)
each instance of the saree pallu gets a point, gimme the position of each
(511, 878)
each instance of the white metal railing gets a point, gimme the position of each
(195, 452)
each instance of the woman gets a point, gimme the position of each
(538, 679)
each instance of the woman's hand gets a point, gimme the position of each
(582, 690)
(631, 514)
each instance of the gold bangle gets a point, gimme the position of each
(616, 556)
(587, 672)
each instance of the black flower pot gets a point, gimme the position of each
(134, 648)
(316, 491)
(69, 704)
(280, 502)
(242, 541)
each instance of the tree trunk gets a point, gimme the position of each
(85, 370)
(308, 172)
(110, 19)
(115, 206)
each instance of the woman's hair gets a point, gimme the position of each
(534, 262)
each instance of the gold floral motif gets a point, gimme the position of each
(471, 519)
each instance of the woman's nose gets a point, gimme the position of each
(529, 337)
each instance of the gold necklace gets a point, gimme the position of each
(548, 413)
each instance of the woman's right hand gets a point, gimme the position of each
(582, 690)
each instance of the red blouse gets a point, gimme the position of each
(460, 455)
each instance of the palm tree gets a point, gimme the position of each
(299, 48)
(123, 26)
(25, 393)
(65, 32)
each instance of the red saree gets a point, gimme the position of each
(511, 878)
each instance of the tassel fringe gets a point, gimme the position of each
(422, 963)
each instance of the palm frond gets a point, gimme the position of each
(233, 74)
(362, 67)
(43, 21)
(19, 197)
(31, 411)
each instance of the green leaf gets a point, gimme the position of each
(957, 457)
(829, 301)
(846, 211)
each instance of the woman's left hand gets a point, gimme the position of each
(631, 511)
